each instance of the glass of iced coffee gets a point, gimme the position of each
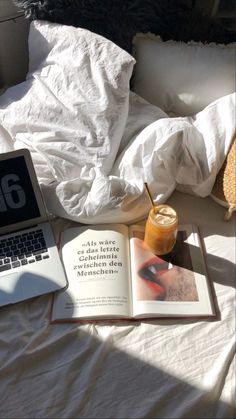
(161, 229)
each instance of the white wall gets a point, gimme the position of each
(7, 8)
(13, 45)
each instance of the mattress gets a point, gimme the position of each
(151, 369)
(93, 144)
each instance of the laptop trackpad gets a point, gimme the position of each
(10, 288)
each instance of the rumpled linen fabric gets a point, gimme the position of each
(156, 369)
(94, 142)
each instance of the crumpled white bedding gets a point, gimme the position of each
(159, 369)
(94, 142)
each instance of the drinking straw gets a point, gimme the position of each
(150, 197)
(155, 208)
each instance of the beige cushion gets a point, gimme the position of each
(182, 78)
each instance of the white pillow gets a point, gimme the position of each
(182, 78)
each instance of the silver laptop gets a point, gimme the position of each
(29, 260)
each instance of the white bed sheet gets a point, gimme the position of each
(158, 369)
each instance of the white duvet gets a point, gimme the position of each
(94, 143)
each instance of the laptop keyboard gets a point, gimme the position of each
(22, 249)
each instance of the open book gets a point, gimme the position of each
(112, 275)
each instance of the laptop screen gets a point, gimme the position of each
(17, 198)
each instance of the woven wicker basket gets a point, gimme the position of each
(224, 189)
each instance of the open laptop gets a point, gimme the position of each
(29, 260)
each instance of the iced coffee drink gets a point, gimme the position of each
(161, 229)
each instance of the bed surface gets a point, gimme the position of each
(158, 369)
(93, 143)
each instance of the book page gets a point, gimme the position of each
(174, 285)
(96, 261)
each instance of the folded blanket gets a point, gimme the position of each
(93, 142)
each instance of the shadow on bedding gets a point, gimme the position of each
(213, 263)
(63, 371)
(15, 94)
